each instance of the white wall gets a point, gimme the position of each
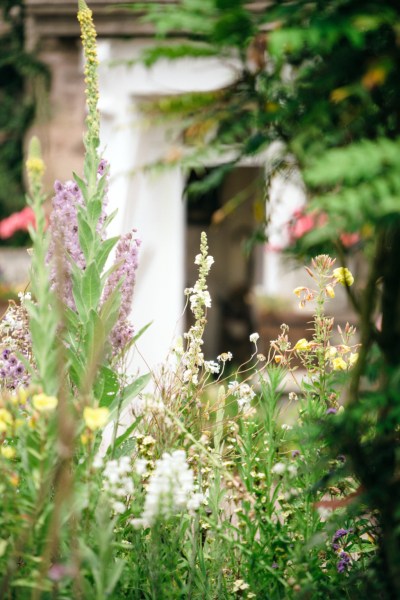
(152, 202)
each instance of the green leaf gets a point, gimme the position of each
(115, 573)
(124, 436)
(141, 331)
(82, 186)
(104, 251)
(94, 209)
(106, 386)
(110, 309)
(126, 395)
(91, 287)
(85, 234)
(94, 340)
(109, 219)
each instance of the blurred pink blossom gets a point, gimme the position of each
(18, 221)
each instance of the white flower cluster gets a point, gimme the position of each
(117, 482)
(171, 490)
(193, 358)
(225, 356)
(242, 391)
(280, 468)
(211, 366)
(254, 338)
(208, 261)
(24, 296)
(200, 299)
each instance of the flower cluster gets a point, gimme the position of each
(326, 278)
(15, 340)
(242, 392)
(338, 545)
(171, 490)
(118, 484)
(88, 37)
(124, 274)
(64, 246)
(200, 300)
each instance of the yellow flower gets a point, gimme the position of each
(339, 364)
(330, 352)
(44, 403)
(35, 167)
(343, 276)
(302, 345)
(297, 291)
(5, 419)
(14, 479)
(7, 452)
(339, 94)
(95, 418)
(22, 395)
(353, 358)
(330, 292)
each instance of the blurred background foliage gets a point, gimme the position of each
(21, 73)
(320, 76)
(323, 78)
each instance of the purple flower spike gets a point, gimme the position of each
(126, 261)
(340, 533)
(344, 562)
(331, 411)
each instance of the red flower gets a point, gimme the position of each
(18, 221)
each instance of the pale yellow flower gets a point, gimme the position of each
(44, 403)
(330, 352)
(8, 452)
(353, 358)
(22, 395)
(148, 441)
(5, 419)
(339, 364)
(35, 167)
(343, 276)
(95, 418)
(302, 345)
(297, 291)
(330, 292)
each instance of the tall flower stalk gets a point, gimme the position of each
(41, 318)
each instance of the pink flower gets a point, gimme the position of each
(18, 221)
(302, 223)
(349, 239)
